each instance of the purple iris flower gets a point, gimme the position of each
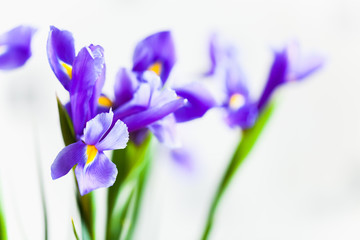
(141, 102)
(82, 75)
(15, 47)
(155, 53)
(235, 100)
(241, 109)
(93, 168)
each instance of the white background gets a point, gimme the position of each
(302, 181)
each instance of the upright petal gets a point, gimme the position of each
(125, 86)
(156, 53)
(98, 174)
(61, 55)
(277, 76)
(88, 79)
(199, 101)
(67, 158)
(116, 138)
(140, 101)
(15, 47)
(97, 127)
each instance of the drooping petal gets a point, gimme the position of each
(165, 131)
(88, 79)
(67, 158)
(244, 117)
(125, 86)
(117, 138)
(61, 54)
(153, 114)
(199, 101)
(15, 47)
(156, 53)
(97, 127)
(301, 65)
(101, 172)
(277, 76)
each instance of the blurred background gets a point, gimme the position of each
(302, 179)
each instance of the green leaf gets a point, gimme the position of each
(130, 163)
(244, 147)
(74, 229)
(41, 183)
(67, 128)
(3, 232)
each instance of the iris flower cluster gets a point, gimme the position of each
(142, 103)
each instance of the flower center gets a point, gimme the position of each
(236, 101)
(105, 101)
(156, 68)
(91, 152)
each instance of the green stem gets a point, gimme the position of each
(244, 147)
(87, 213)
(139, 197)
(3, 233)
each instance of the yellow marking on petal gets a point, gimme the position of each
(91, 152)
(105, 101)
(156, 68)
(236, 101)
(68, 69)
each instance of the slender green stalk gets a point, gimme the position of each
(86, 208)
(3, 232)
(244, 147)
(74, 230)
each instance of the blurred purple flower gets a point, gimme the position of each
(93, 169)
(15, 47)
(241, 109)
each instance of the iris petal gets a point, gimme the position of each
(125, 86)
(67, 158)
(100, 173)
(88, 79)
(277, 76)
(97, 127)
(145, 118)
(165, 131)
(199, 101)
(61, 50)
(156, 49)
(117, 138)
(15, 47)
